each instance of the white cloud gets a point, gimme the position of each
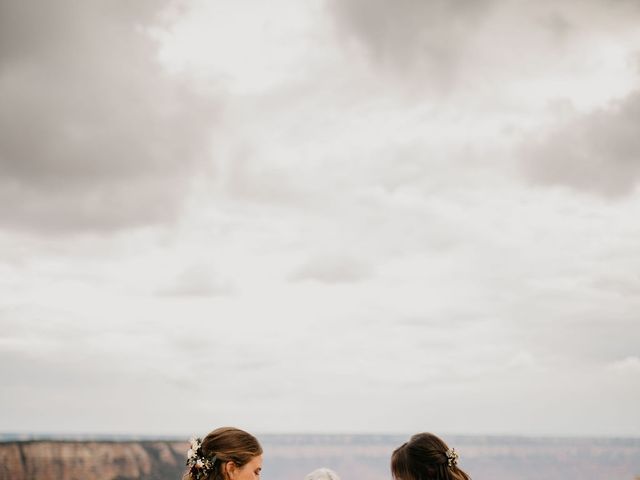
(629, 364)
(245, 47)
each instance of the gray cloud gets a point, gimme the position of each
(598, 152)
(197, 281)
(93, 133)
(333, 269)
(474, 45)
(412, 34)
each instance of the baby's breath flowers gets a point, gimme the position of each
(452, 457)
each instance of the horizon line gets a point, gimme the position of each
(177, 437)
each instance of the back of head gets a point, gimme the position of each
(425, 457)
(222, 445)
(322, 474)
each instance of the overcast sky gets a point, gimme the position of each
(320, 216)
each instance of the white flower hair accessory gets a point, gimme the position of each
(199, 465)
(452, 457)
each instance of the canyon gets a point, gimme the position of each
(91, 460)
(291, 457)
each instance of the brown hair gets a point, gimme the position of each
(424, 457)
(228, 444)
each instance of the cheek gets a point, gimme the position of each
(247, 475)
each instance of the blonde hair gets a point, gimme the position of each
(322, 474)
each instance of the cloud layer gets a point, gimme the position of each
(94, 134)
(403, 207)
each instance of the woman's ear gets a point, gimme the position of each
(230, 470)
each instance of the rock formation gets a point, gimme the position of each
(49, 460)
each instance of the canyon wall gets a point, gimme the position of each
(355, 457)
(55, 460)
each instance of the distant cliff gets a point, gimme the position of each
(55, 460)
(291, 457)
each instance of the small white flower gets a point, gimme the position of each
(191, 453)
(199, 464)
(452, 457)
(195, 443)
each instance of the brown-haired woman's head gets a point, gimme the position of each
(425, 457)
(226, 453)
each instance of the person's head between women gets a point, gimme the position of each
(226, 453)
(322, 474)
(425, 457)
